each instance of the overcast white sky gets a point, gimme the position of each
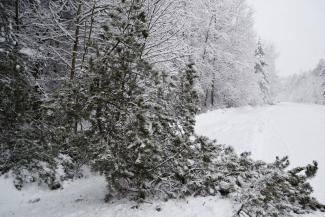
(296, 28)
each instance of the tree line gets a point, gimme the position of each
(308, 87)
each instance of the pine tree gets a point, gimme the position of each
(141, 124)
(123, 99)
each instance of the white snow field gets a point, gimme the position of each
(296, 130)
(292, 129)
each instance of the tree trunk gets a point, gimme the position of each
(17, 14)
(212, 93)
(207, 37)
(87, 41)
(76, 42)
(206, 98)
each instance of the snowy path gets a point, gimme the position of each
(297, 130)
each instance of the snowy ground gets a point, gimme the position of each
(297, 130)
(292, 129)
(85, 198)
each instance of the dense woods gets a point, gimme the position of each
(115, 86)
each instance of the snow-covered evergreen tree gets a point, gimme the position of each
(141, 121)
(263, 78)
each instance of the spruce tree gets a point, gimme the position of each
(262, 74)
